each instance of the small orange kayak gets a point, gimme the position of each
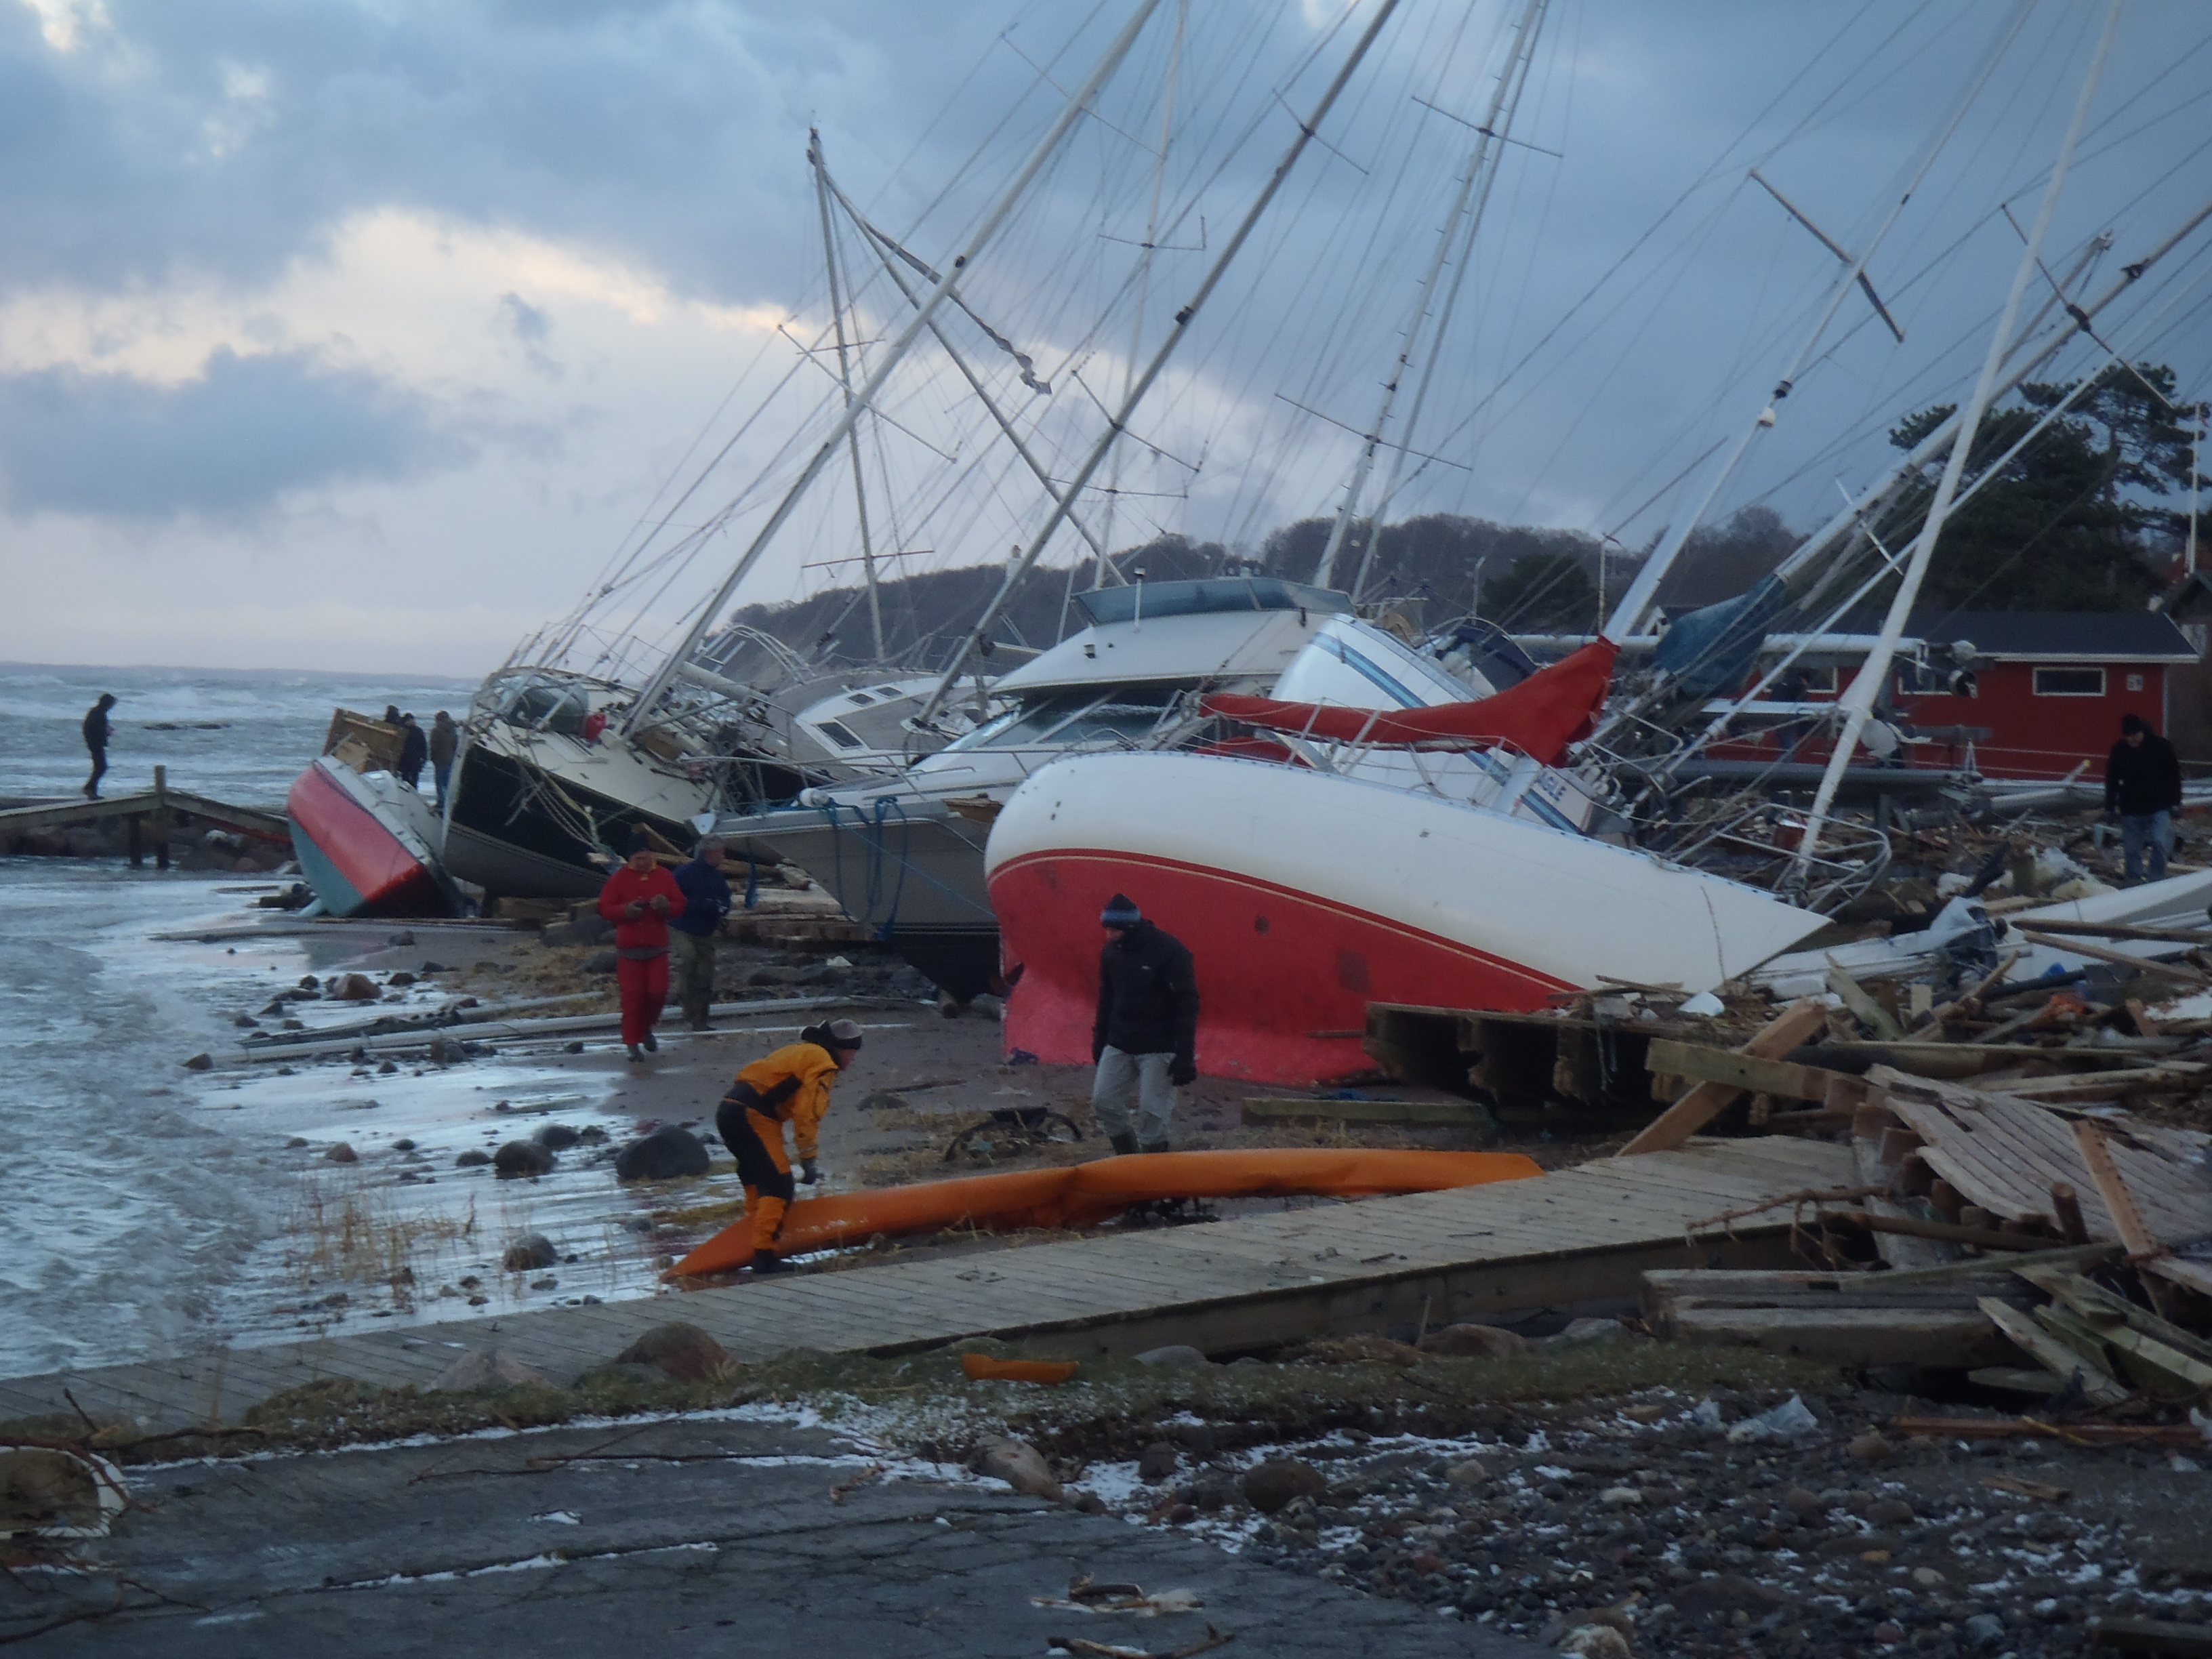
(1084, 1194)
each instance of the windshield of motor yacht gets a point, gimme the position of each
(1068, 719)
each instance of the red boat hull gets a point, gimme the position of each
(1284, 977)
(356, 864)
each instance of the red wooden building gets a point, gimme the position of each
(2043, 690)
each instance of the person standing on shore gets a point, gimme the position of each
(640, 899)
(414, 750)
(790, 1085)
(444, 744)
(707, 900)
(2143, 787)
(98, 728)
(1145, 1038)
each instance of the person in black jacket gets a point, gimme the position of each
(414, 750)
(1146, 1038)
(2143, 787)
(97, 730)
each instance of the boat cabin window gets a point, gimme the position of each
(1068, 717)
(549, 709)
(859, 699)
(840, 735)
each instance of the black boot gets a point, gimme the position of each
(768, 1262)
(1124, 1143)
(1153, 1146)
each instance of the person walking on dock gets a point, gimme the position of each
(98, 728)
(414, 750)
(707, 900)
(444, 744)
(640, 898)
(2143, 786)
(790, 1085)
(1145, 1038)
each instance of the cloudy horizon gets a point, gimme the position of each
(359, 336)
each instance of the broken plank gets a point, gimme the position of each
(2100, 1387)
(1785, 1031)
(2102, 1308)
(1876, 1017)
(1745, 1071)
(1949, 1338)
(2119, 1202)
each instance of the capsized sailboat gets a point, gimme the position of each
(1306, 890)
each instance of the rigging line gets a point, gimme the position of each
(877, 414)
(975, 382)
(924, 269)
(1137, 438)
(1347, 426)
(908, 333)
(1858, 705)
(2082, 317)
(845, 382)
(1505, 108)
(1487, 132)
(1159, 361)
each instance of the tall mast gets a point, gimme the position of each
(1106, 572)
(1119, 421)
(1874, 674)
(893, 354)
(1507, 95)
(845, 379)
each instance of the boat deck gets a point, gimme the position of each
(1384, 1263)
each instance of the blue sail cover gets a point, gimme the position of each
(1711, 650)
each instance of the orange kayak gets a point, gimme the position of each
(1083, 1195)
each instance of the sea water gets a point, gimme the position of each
(134, 1214)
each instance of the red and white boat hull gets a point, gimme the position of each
(1304, 896)
(364, 842)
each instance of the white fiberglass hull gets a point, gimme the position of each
(1304, 896)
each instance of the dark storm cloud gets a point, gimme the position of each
(243, 432)
(228, 135)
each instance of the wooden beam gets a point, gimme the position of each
(1786, 1030)
(1743, 1070)
(1877, 1018)
(1947, 1338)
(2127, 1220)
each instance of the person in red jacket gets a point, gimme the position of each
(639, 899)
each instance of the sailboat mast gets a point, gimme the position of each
(1873, 673)
(1508, 89)
(1106, 572)
(1119, 421)
(893, 354)
(845, 379)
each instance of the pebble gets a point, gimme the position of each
(1177, 1356)
(1274, 1484)
(1469, 1473)
(1804, 1504)
(1871, 1447)
(1890, 1512)
(529, 1251)
(341, 1152)
(1620, 1498)
(1157, 1462)
(1985, 1630)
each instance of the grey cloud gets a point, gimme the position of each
(245, 432)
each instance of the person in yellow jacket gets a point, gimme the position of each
(790, 1085)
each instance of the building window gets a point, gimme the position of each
(2135, 682)
(2070, 682)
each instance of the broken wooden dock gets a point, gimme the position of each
(1472, 1253)
(159, 806)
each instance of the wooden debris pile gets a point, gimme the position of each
(2037, 1249)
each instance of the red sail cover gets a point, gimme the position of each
(1541, 716)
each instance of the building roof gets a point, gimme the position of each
(2143, 636)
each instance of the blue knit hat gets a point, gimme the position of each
(1120, 911)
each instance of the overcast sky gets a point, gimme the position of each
(361, 334)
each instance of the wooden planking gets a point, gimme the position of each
(1469, 1252)
(2004, 1153)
